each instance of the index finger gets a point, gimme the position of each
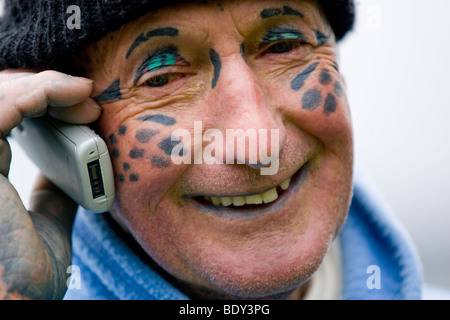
(30, 95)
(47, 88)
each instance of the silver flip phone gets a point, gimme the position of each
(73, 157)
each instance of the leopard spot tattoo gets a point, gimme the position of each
(112, 139)
(134, 177)
(137, 153)
(160, 162)
(330, 104)
(158, 118)
(301, 78)
(167, 145)
(145, 135)
(312, 99)
(338, 89)
(122, 130)
(115, 153)
(325, 78)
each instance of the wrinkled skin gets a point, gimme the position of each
(267, 255)
(225, 68)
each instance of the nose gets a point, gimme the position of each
(255, 132)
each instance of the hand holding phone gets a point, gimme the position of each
(25, 94)
(73, 157)
(37, 240)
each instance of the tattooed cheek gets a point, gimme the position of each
(167, 145)
(134, 177)
(338, 89)
(330, 104)
(122, 130)
(142, 149)
(325, 96)
(158, 118)
(112, 139)
(311, 99)
(145, 135)
(115, 153)
(160, 162)
(137, 153)
(303, 76)
(325, 78)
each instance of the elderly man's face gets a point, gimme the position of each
(230, 65)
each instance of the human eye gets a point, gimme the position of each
(281, 40)
(283, 47)
(160, 68)
(163, 79)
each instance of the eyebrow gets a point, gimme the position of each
(286, 11)
(143, 37)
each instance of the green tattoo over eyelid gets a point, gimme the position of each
(167, 60)
(283, 34)
(160, 59)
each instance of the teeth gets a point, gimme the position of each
(226, 201)
(266, 197)
(256, 199)
(216, 201)
(285, 184)
(270, 195)
(238, 201)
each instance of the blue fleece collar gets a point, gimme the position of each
(373, 237)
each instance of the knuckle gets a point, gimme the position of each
(50, 74)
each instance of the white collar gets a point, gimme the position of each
(326, 283)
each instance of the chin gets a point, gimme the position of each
(269, 273)
(240, 251)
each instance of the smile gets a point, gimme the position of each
(256, 199)
(251, 205)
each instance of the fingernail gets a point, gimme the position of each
(91, 103)
(83, 80)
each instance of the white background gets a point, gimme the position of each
(396, 65)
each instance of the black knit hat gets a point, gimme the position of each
(34, 34)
